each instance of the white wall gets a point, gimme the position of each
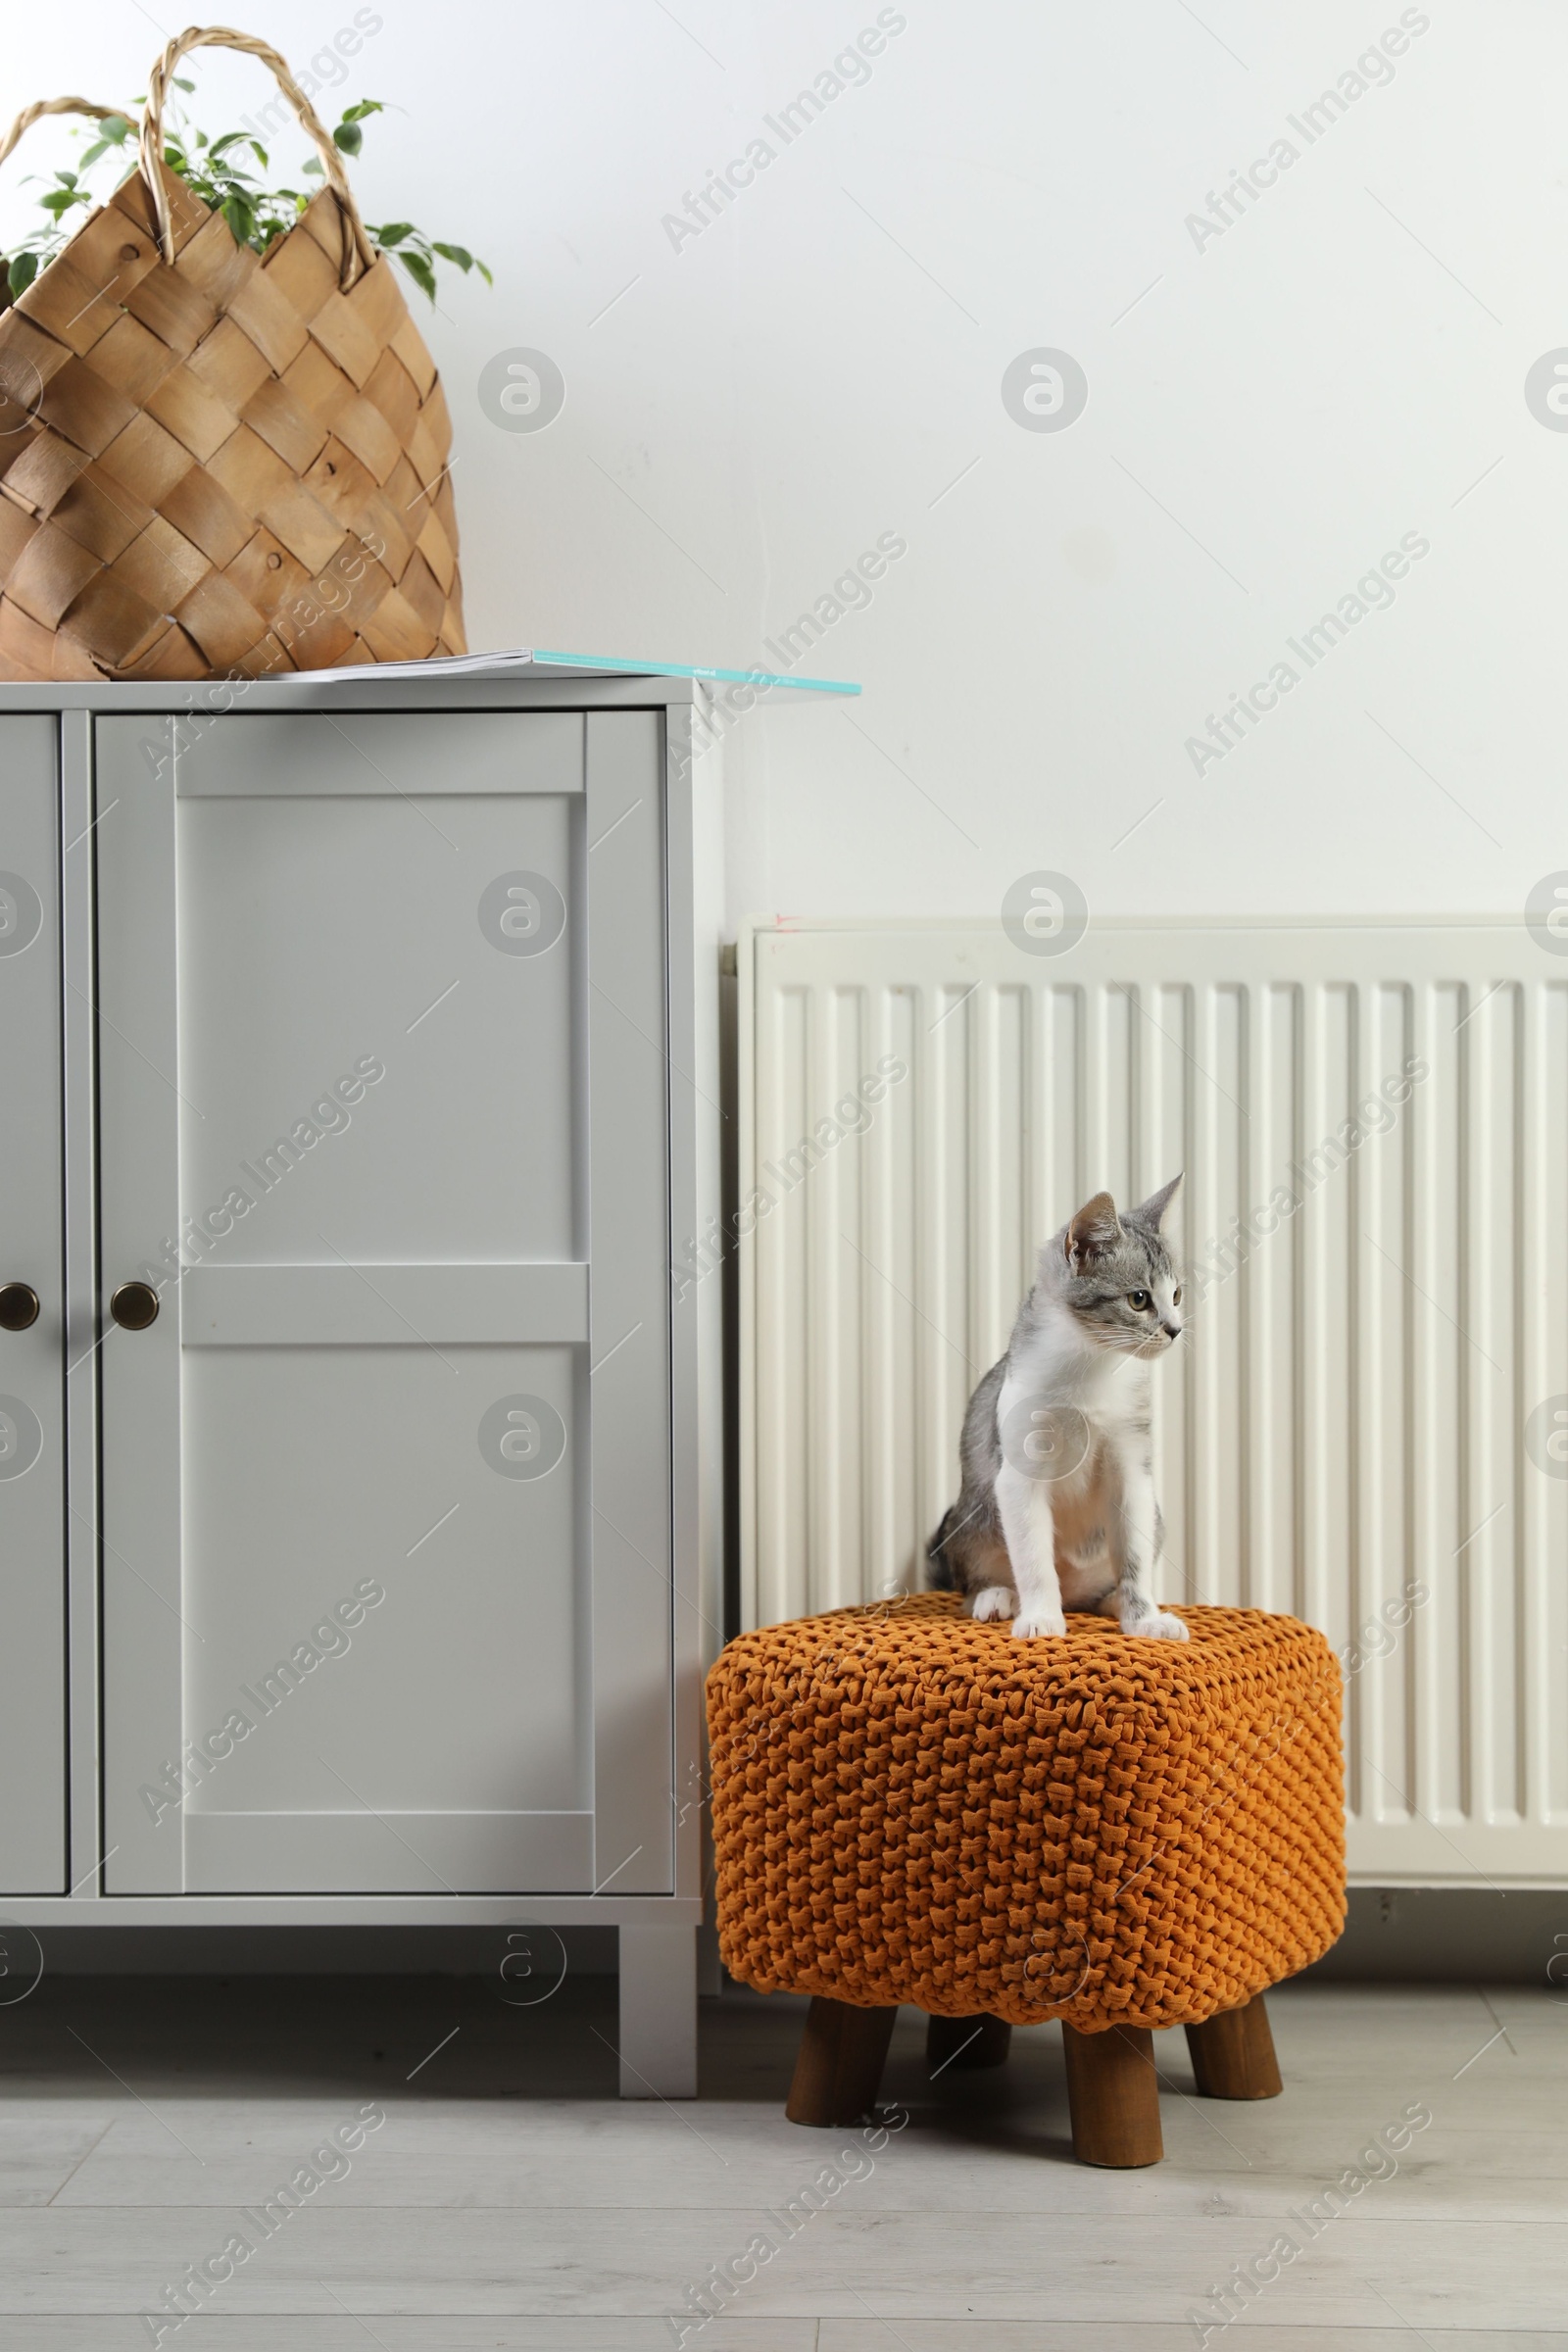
(1334, 372)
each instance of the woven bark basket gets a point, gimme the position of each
(215, 462)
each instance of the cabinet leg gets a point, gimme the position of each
(965, 2042)
(1113, 2096)
(1233, 2054)
(839, 2071)
(658, 2013)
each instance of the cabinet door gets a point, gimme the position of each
(386, 1486)
(33, 1486)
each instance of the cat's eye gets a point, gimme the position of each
(1176, 1296)
(1139, 1300)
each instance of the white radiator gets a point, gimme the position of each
(1368, 1423)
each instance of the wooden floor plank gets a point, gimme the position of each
(343, 2333)
(934, 2263)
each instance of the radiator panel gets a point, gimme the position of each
(1341, 1433)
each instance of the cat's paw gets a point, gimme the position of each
(1030, 1623)
(997, 1600)
(1158, 1625)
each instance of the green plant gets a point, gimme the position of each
(214, 170)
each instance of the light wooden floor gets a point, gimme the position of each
(512, 2200)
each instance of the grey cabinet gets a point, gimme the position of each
(32, 1388)
(348, 1474)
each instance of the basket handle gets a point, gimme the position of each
(30, 115)
(358, 252)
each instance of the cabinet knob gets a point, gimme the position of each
(135, 1306)
(19, 1305)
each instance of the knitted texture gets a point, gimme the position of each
(908, 1806)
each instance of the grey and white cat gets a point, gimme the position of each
(1058, 1503)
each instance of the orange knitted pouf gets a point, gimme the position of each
(908, 1806)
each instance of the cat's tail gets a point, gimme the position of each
(941, 1577)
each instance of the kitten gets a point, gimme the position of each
(1057, 1501)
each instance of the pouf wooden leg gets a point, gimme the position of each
(839, 2071)
(965, 2041)
(1233, 2054)
(1113, 2096)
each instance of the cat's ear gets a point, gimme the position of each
(1096, 1229)
(1152, 1212)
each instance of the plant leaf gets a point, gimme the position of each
(314, 166)
(22, 270)
(456, 253)
(114, 127)
(393, 234)
(366, 106)
(183, 85)
(419, 269)
(349, 137)
(484, 273)
(241, 219)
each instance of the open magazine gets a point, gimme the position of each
(472, 665)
